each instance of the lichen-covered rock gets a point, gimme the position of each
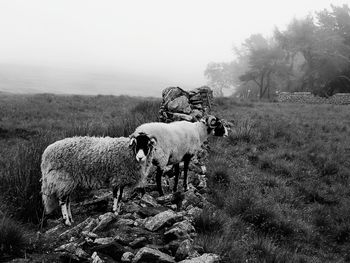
(127, 257)
(75, 230)
(205, 258)
(191, 198)
(172, 93)
(162, 219)
(139, 242)
(185, 250)
(105, 220)
(152, 211)
(124, 222)
(95, 258)
(73, 250)
(179, 104)
(179, 230)
(104, 240)
(89, 234)
(148, 200)
(194, 212)
(147, 254)
(181, 117)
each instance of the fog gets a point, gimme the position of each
(128, 47)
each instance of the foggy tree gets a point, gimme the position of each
(322, 48)
(311, 54)
(266, 62)
(223, 76)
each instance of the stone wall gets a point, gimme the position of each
(179, 104)
(308, 97)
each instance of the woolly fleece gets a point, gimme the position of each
(87, 162)
(174, 139)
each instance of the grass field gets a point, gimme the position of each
(279, 183)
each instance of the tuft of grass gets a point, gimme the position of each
(243, 131)
(20, 181)
(12, 238)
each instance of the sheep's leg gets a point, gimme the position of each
(69, 210)
(187, 159)
(159, 180)
(64, 210)
(117, 197)
(177, 174)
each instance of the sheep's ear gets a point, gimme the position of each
(132, 142)
(153, 141)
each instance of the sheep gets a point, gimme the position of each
(90, 163)
(170, 143)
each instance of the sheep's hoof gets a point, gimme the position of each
(68, 223)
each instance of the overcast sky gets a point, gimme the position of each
(162, 38)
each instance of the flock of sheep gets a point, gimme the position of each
(96, 162)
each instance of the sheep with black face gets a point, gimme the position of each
(88, 163)
(171, 143)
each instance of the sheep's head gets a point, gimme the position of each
(216, 126)
(142, 145)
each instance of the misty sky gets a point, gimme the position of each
(171, 40)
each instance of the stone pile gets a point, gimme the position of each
(308, 97)
(179, 104)
(150, 228)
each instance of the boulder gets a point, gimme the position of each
(104, 240)
(179, 104)
(147, 254)
(205, 258)
(105, 220)
(127, 257)
(75, 230)
(72, 250)
(139, 242)
(179, 230)
(162, 219)
(194, 212)
(151, 211)
(185, 250)
(172, 93)
(182, 117)
(95, 258)
(148, 200)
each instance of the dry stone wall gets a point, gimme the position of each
(179, 104)
(308, 97)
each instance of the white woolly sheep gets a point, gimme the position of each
(90, 163)
(170, 143)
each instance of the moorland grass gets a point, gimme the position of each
(53, 118)
(278, 183)
(284, 172)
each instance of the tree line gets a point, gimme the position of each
(311, 54)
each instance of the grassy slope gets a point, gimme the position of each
(279, 183)
(282, 180)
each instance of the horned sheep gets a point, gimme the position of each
(90, 163)
(170, 143)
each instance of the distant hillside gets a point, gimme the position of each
(34, 79)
